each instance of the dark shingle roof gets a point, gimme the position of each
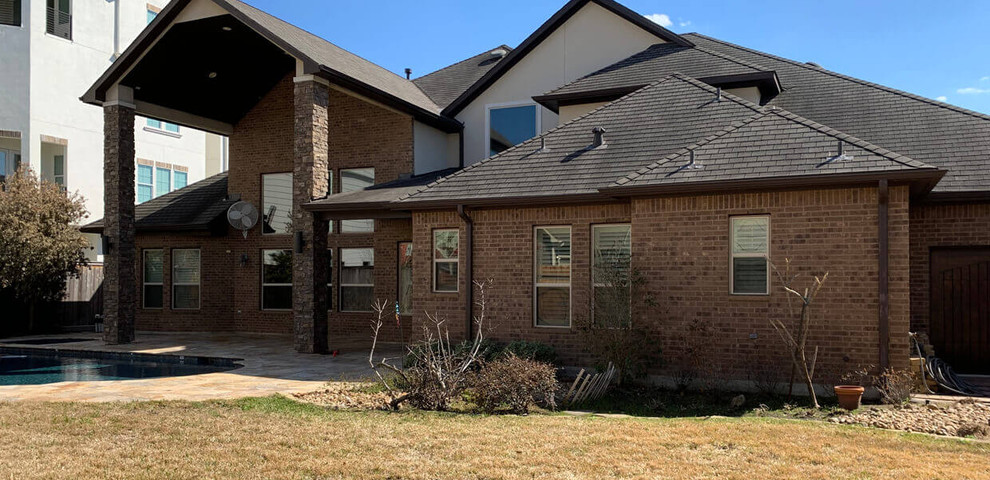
(656, 62)
(772, 144)
(377, 196)
(642, 128)
(195, 207)
(446, 84)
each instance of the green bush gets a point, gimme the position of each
(538, 351)
(516, 383)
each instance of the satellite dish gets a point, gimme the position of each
(242, 216)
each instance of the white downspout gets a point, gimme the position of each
(116, 30)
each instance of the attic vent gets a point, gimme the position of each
(497, 53)
(599, 140)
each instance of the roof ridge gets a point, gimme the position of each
(732, 127)
(730, 58)
(462, 61)
(877, 86)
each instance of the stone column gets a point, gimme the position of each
(309, 180)
(119, 283)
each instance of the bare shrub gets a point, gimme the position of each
(766, 377)
(894, 385)
(439, 368)
(515, 382)
(974, 429)
(797, 340)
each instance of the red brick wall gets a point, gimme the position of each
(361, 135)
(680, 245)
(940, 225)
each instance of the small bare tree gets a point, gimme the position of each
(797, 342)
(439, 368)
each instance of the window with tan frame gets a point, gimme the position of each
(186, 269)
(153, 277)
(552, 276)
(749, 252)
(446, 244)
(611, 274)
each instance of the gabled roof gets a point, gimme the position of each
(199, 206)
(446, 84)
(319, 56)
(649, 65)
(543, 32)
(773, 145)
(641, 128)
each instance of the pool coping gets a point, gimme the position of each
(195, 360)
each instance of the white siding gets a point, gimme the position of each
(431, 149)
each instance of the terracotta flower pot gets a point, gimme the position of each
(849, 396)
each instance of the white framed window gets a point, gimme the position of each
(58, 171)
(612, 274)
(163, 181)
(154, 181)
(508, 124)
(10, 161)
(276, 279)
(749, 252)
(552, 276)
(153, 277)
(354, 179)
(179, 179)
(10, 12)
(276, 201)
(357, 279)
(446, 244)
(145, 183)
(58, 18)
(405, 280)
(185, 278)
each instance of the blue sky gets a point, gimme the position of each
(934, 49)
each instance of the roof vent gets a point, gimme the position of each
(718, 94)
(497, 53)
(599, 137)
(408, 73)
(813, 64)
(840, 157)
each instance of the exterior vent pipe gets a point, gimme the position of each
(599, 137)
(718, 94)
(408, 73)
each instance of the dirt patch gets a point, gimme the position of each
(347, 396)
(963, 419)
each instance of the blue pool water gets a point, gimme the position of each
(34, 370)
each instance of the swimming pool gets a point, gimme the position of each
(26, 367)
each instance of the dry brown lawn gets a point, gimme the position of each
(279, 438)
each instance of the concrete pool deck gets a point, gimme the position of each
(270, 365)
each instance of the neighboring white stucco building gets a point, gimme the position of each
(52, 51)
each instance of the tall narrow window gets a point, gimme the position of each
(276, 199)
(351, 180)
(405, 278)
(58, 171)
(3, 166)
(180, 179)
(611, 270)
(185, 278)
(58, 19)
(276, 279)
(445, 257)
(508, 126)
(163, 181)
(552, 272)
(357, 279)
(154, 270)
(330, 279)
(749, 268)
(145, 183)
(10, 12)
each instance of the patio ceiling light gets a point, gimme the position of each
(212, 75)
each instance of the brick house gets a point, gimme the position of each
(690, 162)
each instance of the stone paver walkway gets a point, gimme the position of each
(270, 365)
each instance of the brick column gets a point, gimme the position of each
(119, 283)
(309, 181)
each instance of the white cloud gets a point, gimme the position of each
(972, 91)
(685, 23)
(661, 19)
(985, 79)
(942, 98)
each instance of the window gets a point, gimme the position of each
(330, 192)
(185, 279)
(357, 279)
(151, 16)
(10, 12)
(508, 126)
(405, 278)
(445, 256)
(154, 270)
(145, 187)
(58, 20)
(58, 171)
(160, 125)
(180, 179)
(611, 270)
(749, 269)
(276, 198)
(351, 180)
(552, 271)
(163, 181)
(276, 280)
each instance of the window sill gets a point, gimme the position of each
(63, 39)
(160, 131)
(553, 327)
(277, 310)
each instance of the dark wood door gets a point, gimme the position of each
(960, 303)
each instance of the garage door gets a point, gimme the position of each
(960, 316)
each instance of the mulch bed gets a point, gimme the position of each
(963, 419)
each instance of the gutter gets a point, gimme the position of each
(468, 272)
